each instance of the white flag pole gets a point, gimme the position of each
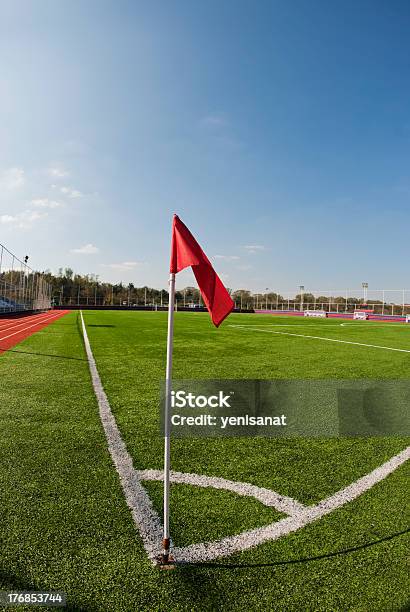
(167, 439)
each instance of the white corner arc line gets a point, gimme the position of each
(267, 497)
(147, 521)
(209, 551)
(268, 331)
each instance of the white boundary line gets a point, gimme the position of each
(147, 521)
(316, 323)
(310, 324)
(364, 325)
(143, 513)
(268, 331)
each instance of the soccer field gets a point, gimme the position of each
(66, 525)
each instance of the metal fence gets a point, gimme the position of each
(338, 307)
(21, 288)
(380, 301)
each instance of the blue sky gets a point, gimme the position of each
(278, 131)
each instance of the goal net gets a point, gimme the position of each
(315, 313)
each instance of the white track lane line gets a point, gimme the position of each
(15, 320)
(267, 331)
(31, 318)
(19, 331)
(29, 327)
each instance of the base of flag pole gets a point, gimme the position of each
(166, 560)
(169, 564)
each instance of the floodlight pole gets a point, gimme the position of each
(365, 286)
(167, 432)
(301, 288)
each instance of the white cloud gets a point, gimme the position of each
(125, 265)
(45, 203)
(71, 193)
(57, 172)
(12, 179)
(33, 215)
(254, 248)
(7, 219)
(87, 249)
(227, 257)
(22, 220)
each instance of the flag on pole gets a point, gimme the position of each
(185, 251)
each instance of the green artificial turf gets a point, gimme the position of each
(65, 524)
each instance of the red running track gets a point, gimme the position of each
(15, 329)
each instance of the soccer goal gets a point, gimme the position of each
(361, 315)
(315, 313)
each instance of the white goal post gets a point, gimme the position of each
(315, 313)
(362, 316)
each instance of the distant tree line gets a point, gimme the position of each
(69, 287)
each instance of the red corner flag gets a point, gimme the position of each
(185, 251)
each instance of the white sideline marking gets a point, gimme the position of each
(29, 327)
(143, 513)
(268, 331)
(265, 496)
(148, 523)
(310, 324)
(373, 324)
